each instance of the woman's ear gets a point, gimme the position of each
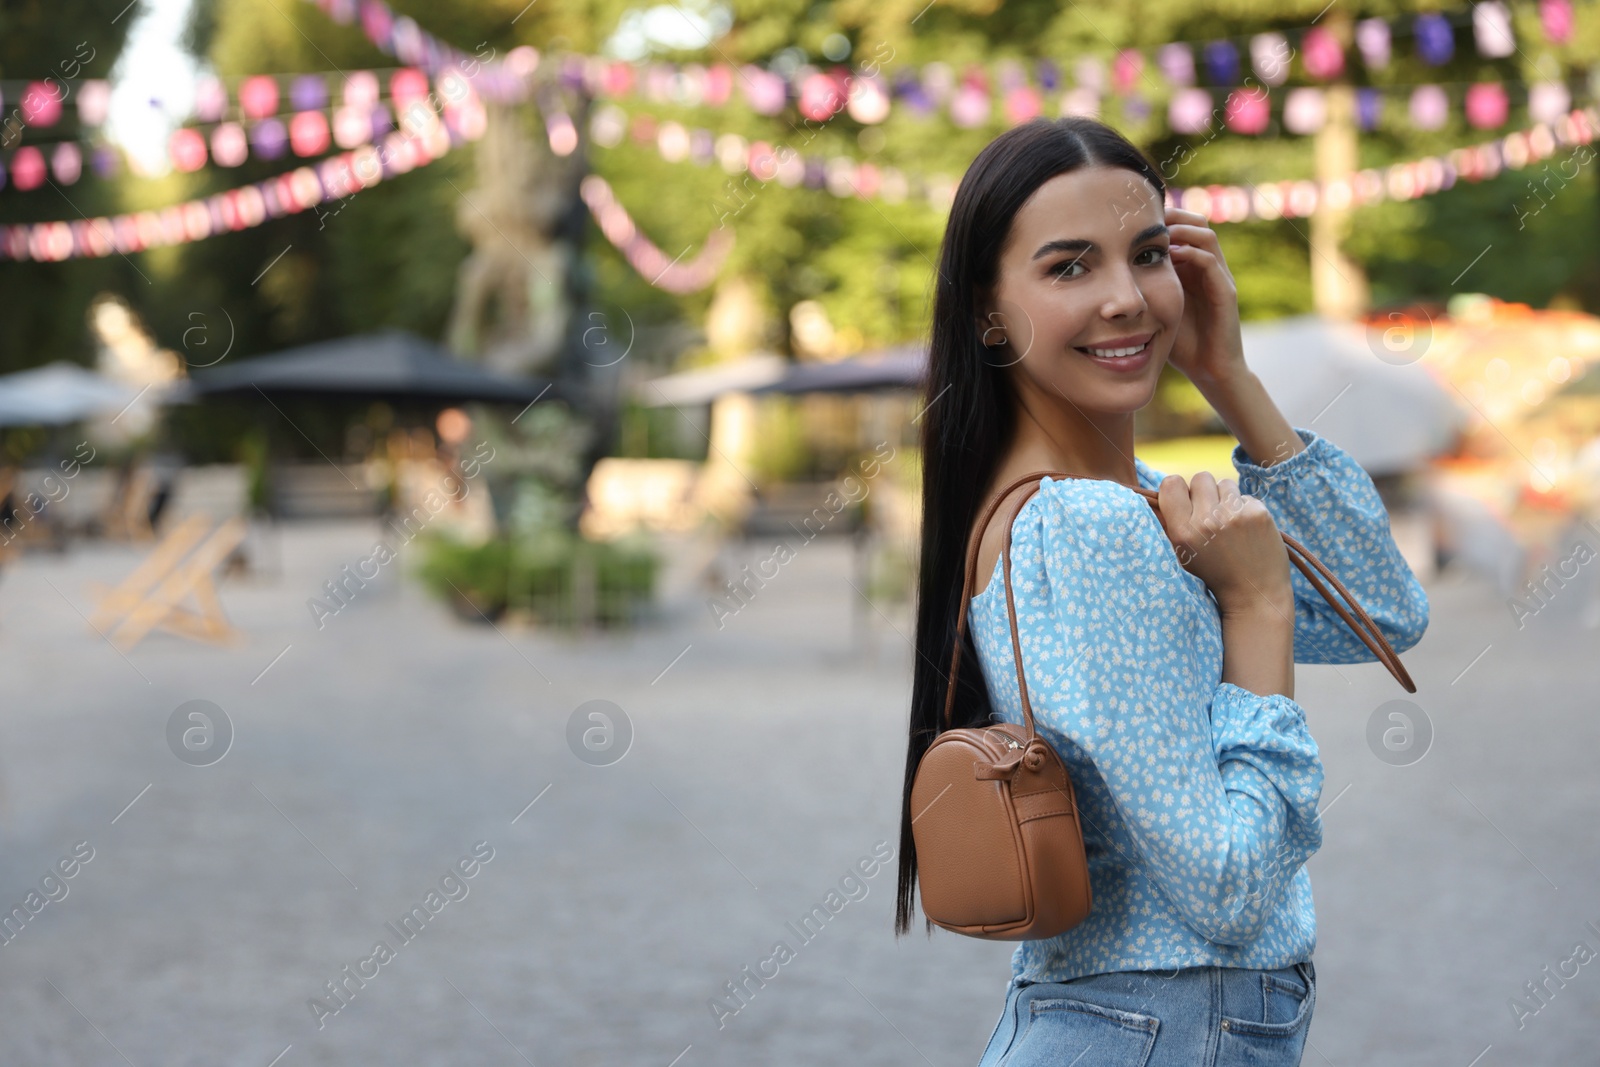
(989, 323)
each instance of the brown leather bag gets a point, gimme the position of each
(999, 848)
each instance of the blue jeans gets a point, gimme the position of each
(1188, 1017)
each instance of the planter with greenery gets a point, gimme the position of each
(557, 579)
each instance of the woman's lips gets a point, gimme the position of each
(1123, 364)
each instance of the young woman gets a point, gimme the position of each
(1159, 649)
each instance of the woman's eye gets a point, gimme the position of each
(1060, 270)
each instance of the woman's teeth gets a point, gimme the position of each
(1114, 353)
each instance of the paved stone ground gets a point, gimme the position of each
(372, 755)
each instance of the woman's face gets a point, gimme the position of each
(1085, 266)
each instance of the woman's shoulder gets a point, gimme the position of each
(1064, 498)
(1089, 510)
(1063, 486)
(1065, 507)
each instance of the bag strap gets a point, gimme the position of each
(1011, 607)
(1299, 555)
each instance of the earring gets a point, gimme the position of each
(986, 333)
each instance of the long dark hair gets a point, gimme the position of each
(968, 416)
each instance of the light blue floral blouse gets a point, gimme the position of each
(1198, 798)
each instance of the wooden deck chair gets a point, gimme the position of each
(152, 595)
(117, 602)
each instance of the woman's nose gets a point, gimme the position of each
(1125, 297)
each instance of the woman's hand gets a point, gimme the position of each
(1208, 349)
(1229, 541)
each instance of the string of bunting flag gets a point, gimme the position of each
(1399, 181)
(334, 178)
(643, 254)
(1022, 88)
(307, 186)
(363, 118)
(846, 177)
(1303, 111)
(868, 96)
(1180, 64)
(969, 97)
(501, 80)
(227, 135)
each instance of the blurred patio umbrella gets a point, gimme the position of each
(1324, 376)
(390, 365)
(902, 367)
(702, 385)
(59, 392)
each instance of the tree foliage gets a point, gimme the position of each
(389, 256)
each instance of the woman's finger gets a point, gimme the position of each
(1190, 247)
(1204, 260)
(1206, 500)
(1191, 227)
(1173, 504)
(1228, 495)
(1189, 251)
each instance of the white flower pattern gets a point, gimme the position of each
(1198, 798)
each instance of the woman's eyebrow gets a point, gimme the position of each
(1078, 244)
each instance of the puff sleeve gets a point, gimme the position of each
(1217, 786)
(1323, 498)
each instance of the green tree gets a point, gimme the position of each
(47, 304)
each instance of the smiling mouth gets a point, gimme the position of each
(1118, 353)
